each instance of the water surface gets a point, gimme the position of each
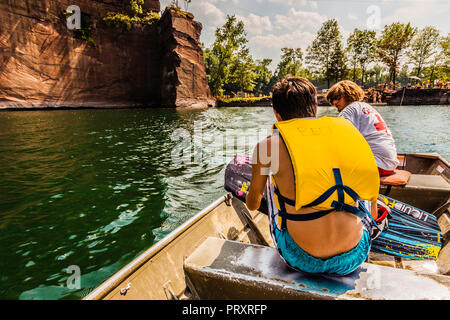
(95, 188)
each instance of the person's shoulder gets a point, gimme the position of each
(352, 108)
(359, 107)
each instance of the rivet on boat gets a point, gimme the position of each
(124, 291)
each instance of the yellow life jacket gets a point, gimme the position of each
(332, 162)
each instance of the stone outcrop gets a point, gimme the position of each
(184, 81)
(410, 97)
(42, 63)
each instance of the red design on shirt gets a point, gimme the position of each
(381, 125)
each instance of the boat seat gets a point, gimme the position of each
(422, 191)
(398, 178)
(221, 269)
(428, 182)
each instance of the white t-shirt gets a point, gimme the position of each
(372, 126)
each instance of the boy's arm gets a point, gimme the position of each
(260, 172)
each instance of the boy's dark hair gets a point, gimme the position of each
(294, 97)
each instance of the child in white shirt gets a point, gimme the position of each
(347, 97)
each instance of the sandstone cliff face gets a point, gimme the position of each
(43, 65)
(184, 82)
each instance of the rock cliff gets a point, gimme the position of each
(419, 97)
(43, 64)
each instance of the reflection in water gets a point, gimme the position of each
(94, 188)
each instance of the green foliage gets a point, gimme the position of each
(291, 62)
(230, 67)
(361, 46)
(242, 72)
(326, 55)
(424, 46)
(230, 42)
(394, 40)
(136, 7)
(247, 101)
(265, 79)
(136, 16)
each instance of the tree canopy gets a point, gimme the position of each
(399, 49)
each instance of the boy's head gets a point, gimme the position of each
(343, 93)
(294, 97)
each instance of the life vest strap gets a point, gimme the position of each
(339, 205)
(283, 198)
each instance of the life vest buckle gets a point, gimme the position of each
(339, 206)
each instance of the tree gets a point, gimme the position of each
(362, 48)
(377, 71)
(230, 39)
(423, 47)
(291, 62)
(242, 72)
(326, 50)
(338, 69)
(394, 40)
(263, 82)
(441, 60)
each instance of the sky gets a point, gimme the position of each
(274, 24)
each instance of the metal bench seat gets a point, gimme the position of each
(422, 191)
(223, 269)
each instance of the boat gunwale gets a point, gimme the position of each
(111, 283)
(431, 155)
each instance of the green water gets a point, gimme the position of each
(95, 188)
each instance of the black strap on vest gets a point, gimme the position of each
(339, 205)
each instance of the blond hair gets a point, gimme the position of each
(347, 89)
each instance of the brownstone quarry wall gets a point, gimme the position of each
(43, 65)
(184, 81)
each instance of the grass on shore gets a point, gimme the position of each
(252, 100)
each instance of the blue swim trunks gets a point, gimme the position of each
(340, 265)
(298, 259)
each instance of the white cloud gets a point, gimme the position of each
(313, 4)
(352, 16)
(207, 13)
(415, 12)
(295, 19)
(256, 24)
(296, 39)
(296, 3)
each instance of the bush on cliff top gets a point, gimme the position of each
(125, 22)
(136, 16)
